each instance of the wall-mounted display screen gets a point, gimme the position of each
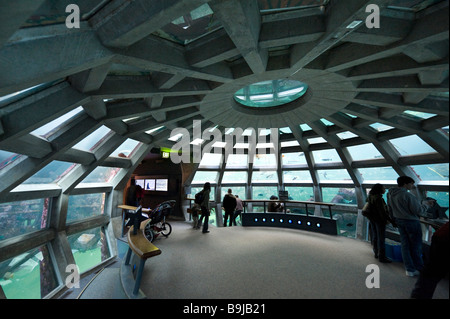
(162, 185)
(140, 182)
(150, 184)
(153, 183)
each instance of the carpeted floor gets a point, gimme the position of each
(266, 263)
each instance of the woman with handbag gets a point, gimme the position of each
(378, 215)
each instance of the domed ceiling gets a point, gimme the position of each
(143, 68)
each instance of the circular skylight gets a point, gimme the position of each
(270, 93)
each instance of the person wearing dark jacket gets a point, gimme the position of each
(406, 210)
(229, 204)
(379, 218)
(204, 205)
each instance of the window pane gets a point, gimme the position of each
(234, 177)
(264, 192)
(346, 135)
(46, 129)
(410, 145)
(202, 177)
(264, 177)
(85, 206)
(7, 158)
(316, 140)
(195, 190)
(326, 156)
(89, 248)
(126, 149)
(237, 161)
(363, 152)
(89, 142)
(101, 174)
(236, 190)
(51, 173)
(265, 161)
(378, 174)
(432, 172)
(293, 159)
(28, 276)
(210, 160)
(339, 195)
(300, 193)
(333, 175)
(18, 218)
(442, 199)
(296, 176)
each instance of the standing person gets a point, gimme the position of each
(406, 210)
(239, 209)
(229, 204)
(205, 208)
(379, 218)
(133, 194)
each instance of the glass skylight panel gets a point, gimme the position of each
(7, 158)
(316, 140)
(89, 142)
(421, 115)
(211, 160)
(364, 152)
(296, 176)
(234, 177)
(346, 135)
(293, 159)
(155, 130)
(126, 148)
(305, 127)
(47, 128)
(381, 127)
(326, 122)
(411, 145)
(264, 177)
(326, 156)
(289, 143)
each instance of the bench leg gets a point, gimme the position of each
(137, 284)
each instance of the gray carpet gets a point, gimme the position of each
(247, 262)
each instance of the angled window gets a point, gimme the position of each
(30, 275)
(293, 159)
(89, 248)
(51, 173)
(234, 177)
(431, 172)
(23, 217)
(236, 190)
(300, 193)
(296, 176)
(339, 195)
(202, 177)
(363, 152)
(411, 145)
(47, 129)
(326, 156)
(211, 160)
(85, 206)
(236, 161)
(376, 174)
(126, 149)
(326, 175)
(265, 161)
(264, 177)
(90, 141)
(101, 174)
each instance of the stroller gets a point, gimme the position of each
(158, 224)
(157, 216)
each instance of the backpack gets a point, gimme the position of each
(199, 198)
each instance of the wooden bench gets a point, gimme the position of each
(143, 249)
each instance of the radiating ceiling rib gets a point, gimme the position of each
(28, 60)
(122, 23)
(242, 21)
